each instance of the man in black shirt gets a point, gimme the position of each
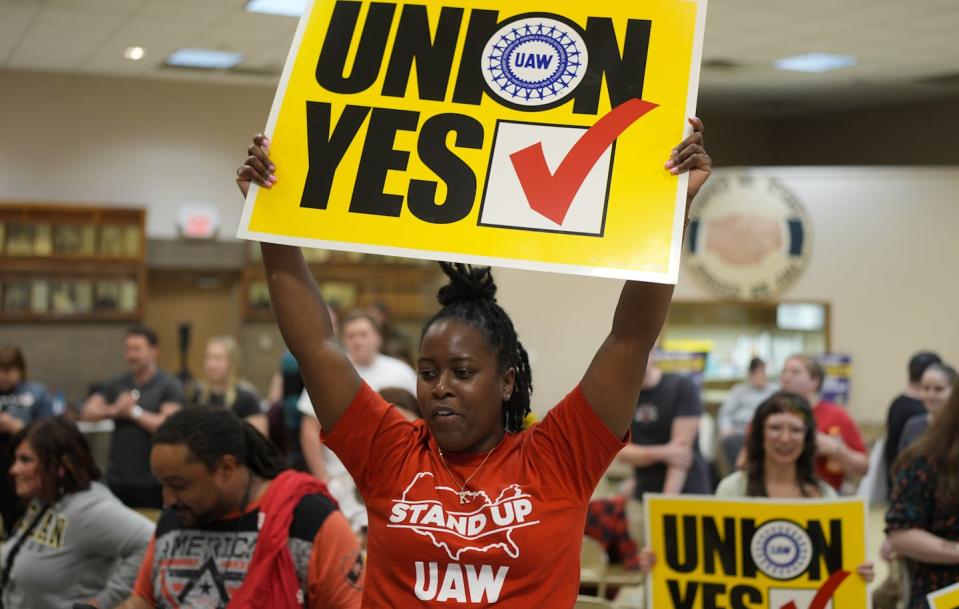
(138, 401)
(906, 405)
(664, 450)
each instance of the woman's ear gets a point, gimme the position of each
(509, 382)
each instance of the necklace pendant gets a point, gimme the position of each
(463, 499)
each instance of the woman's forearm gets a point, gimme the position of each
(923, 546)
(301, 313)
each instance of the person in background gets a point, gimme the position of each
(361, 340)
(840, 451)
(220, 385)
(921, 522)
(664, 451)
(737, 409)
(284, 416)
(780, 452)
(935, 389)
(404, 400)
(138, 401)
(21, 402)
(77, 543)
(905, 406)
(238, 528)
(395, 343)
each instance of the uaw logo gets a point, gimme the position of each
(485, 524)
(781, 549)
(535, 61)
(748, 238)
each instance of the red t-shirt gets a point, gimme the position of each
(516, 543)
(833, 420)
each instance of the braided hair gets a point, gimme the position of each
(210, 433)
(470, 296)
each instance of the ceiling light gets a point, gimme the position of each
(204, 58)
(134, 53)
(815, 63)
(287, 8)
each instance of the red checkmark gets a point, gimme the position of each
(551, 194)
(824, 593)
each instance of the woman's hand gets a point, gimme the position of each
(692, 157)
(866, 571)
(886, 551)
(647, 560)
(257, 167)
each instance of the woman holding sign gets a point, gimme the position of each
(780, 455)
(922, 522)
(465, 506)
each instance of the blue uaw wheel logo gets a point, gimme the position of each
(534, 61)
(781, 549)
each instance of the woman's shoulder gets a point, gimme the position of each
(97, 494)
(825, 490)
(732, 486)
(915, 464)
(916, 422)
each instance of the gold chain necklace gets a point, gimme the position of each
(462, 492)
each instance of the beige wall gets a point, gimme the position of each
(140, 143)
(883, 245)
(883, 254)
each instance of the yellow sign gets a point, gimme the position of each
(755, 553)
(522, 133)
(946, 598)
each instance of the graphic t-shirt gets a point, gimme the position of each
(129, 462)
(514, 544)
(204, 567)
(833, 420)
(658, 407)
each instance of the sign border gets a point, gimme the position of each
(714, 499)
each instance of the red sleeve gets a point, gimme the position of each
(144, 584)
(336, 573)
(371, 438)
(574, 446)
(850, 433)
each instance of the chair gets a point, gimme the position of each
(593, 565)
(592, 602)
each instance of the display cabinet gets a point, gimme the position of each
(71, 263)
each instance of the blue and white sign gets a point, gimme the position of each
(535, 61)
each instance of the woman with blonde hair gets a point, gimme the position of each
(220, 385)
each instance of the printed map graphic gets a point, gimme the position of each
(455, 540)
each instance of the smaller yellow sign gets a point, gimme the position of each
(750, 553)
(946, 598)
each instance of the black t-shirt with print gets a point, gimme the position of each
(130, 445)
(674, 396)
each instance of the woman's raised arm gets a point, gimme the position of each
(301, 313)
(615, 377)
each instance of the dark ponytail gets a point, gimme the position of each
(211, 433)
(470, 296)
